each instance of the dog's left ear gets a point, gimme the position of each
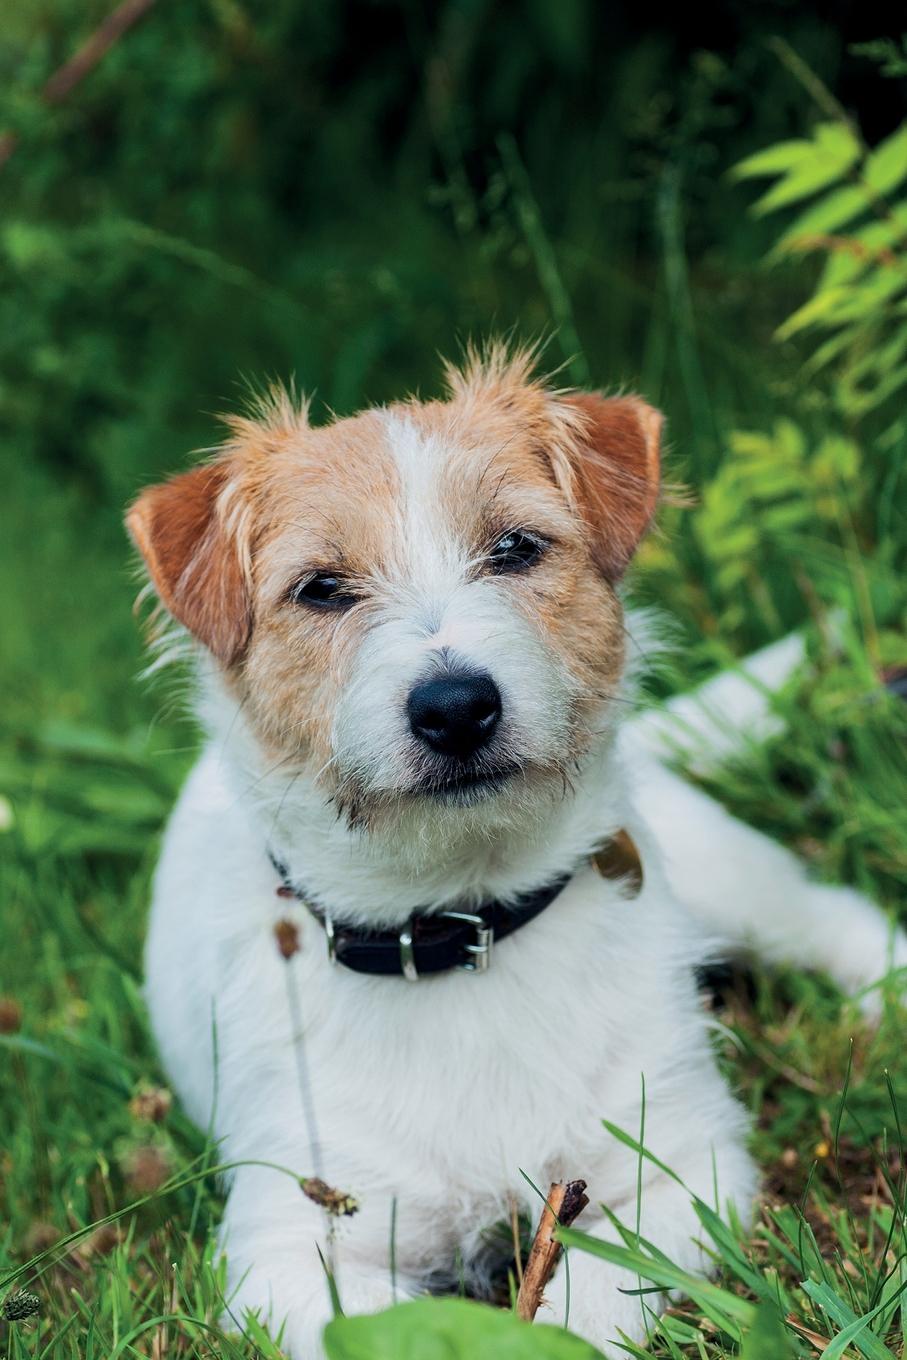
(615, 471)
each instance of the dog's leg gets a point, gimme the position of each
(600, 1307)
(752, 895)
(271, 1234)
(719, 718)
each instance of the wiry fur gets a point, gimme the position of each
(437, 1095)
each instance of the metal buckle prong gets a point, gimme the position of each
(407, 957)
(329, 936)
(481, 948)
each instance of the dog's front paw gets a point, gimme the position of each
(302, 1334)
(299, 1315)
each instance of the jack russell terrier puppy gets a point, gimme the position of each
(427, 911)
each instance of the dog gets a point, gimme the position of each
(430, 906)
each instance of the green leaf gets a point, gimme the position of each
(856, 1330)
(832, 211)
(819, 308)
(724, 1308)
(832, 153)
(629, 1141)
(768, 1338)
(829, 350)
(333, 1291)
(449, 1329)
(843, 1316)
(729, 1248)
(774, 160)
(886, 168)
(836, 139)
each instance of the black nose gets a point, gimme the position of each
(455, 715)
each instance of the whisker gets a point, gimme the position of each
(286, 794)
(244, 793)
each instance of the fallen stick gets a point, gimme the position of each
(72, 72)
(566, 1200)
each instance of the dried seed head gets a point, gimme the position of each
(10, 1015)
(146, 1169)
(287, 937)
(334, 1202)
(40, 1236)
(102, 1241)
(20, 1304)
(152, 1104)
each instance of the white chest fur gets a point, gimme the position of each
(438, 1093)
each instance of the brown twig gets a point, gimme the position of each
(64, 80)
(566, 1200)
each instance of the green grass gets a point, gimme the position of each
(797, 511)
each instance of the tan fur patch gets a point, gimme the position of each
(325, 504)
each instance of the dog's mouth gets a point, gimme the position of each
(464, 788)
(467, 785)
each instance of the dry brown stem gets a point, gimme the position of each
(566, 1200)
(73, 72)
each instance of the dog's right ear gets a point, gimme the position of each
(193, 558)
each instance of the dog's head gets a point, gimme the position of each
(416, 606)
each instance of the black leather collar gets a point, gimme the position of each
(440, 941)
(427, 944)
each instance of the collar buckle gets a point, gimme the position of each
(479, 951)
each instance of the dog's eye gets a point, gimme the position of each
(515, 551)
(324, 591)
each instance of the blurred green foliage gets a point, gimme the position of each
(339, 192)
